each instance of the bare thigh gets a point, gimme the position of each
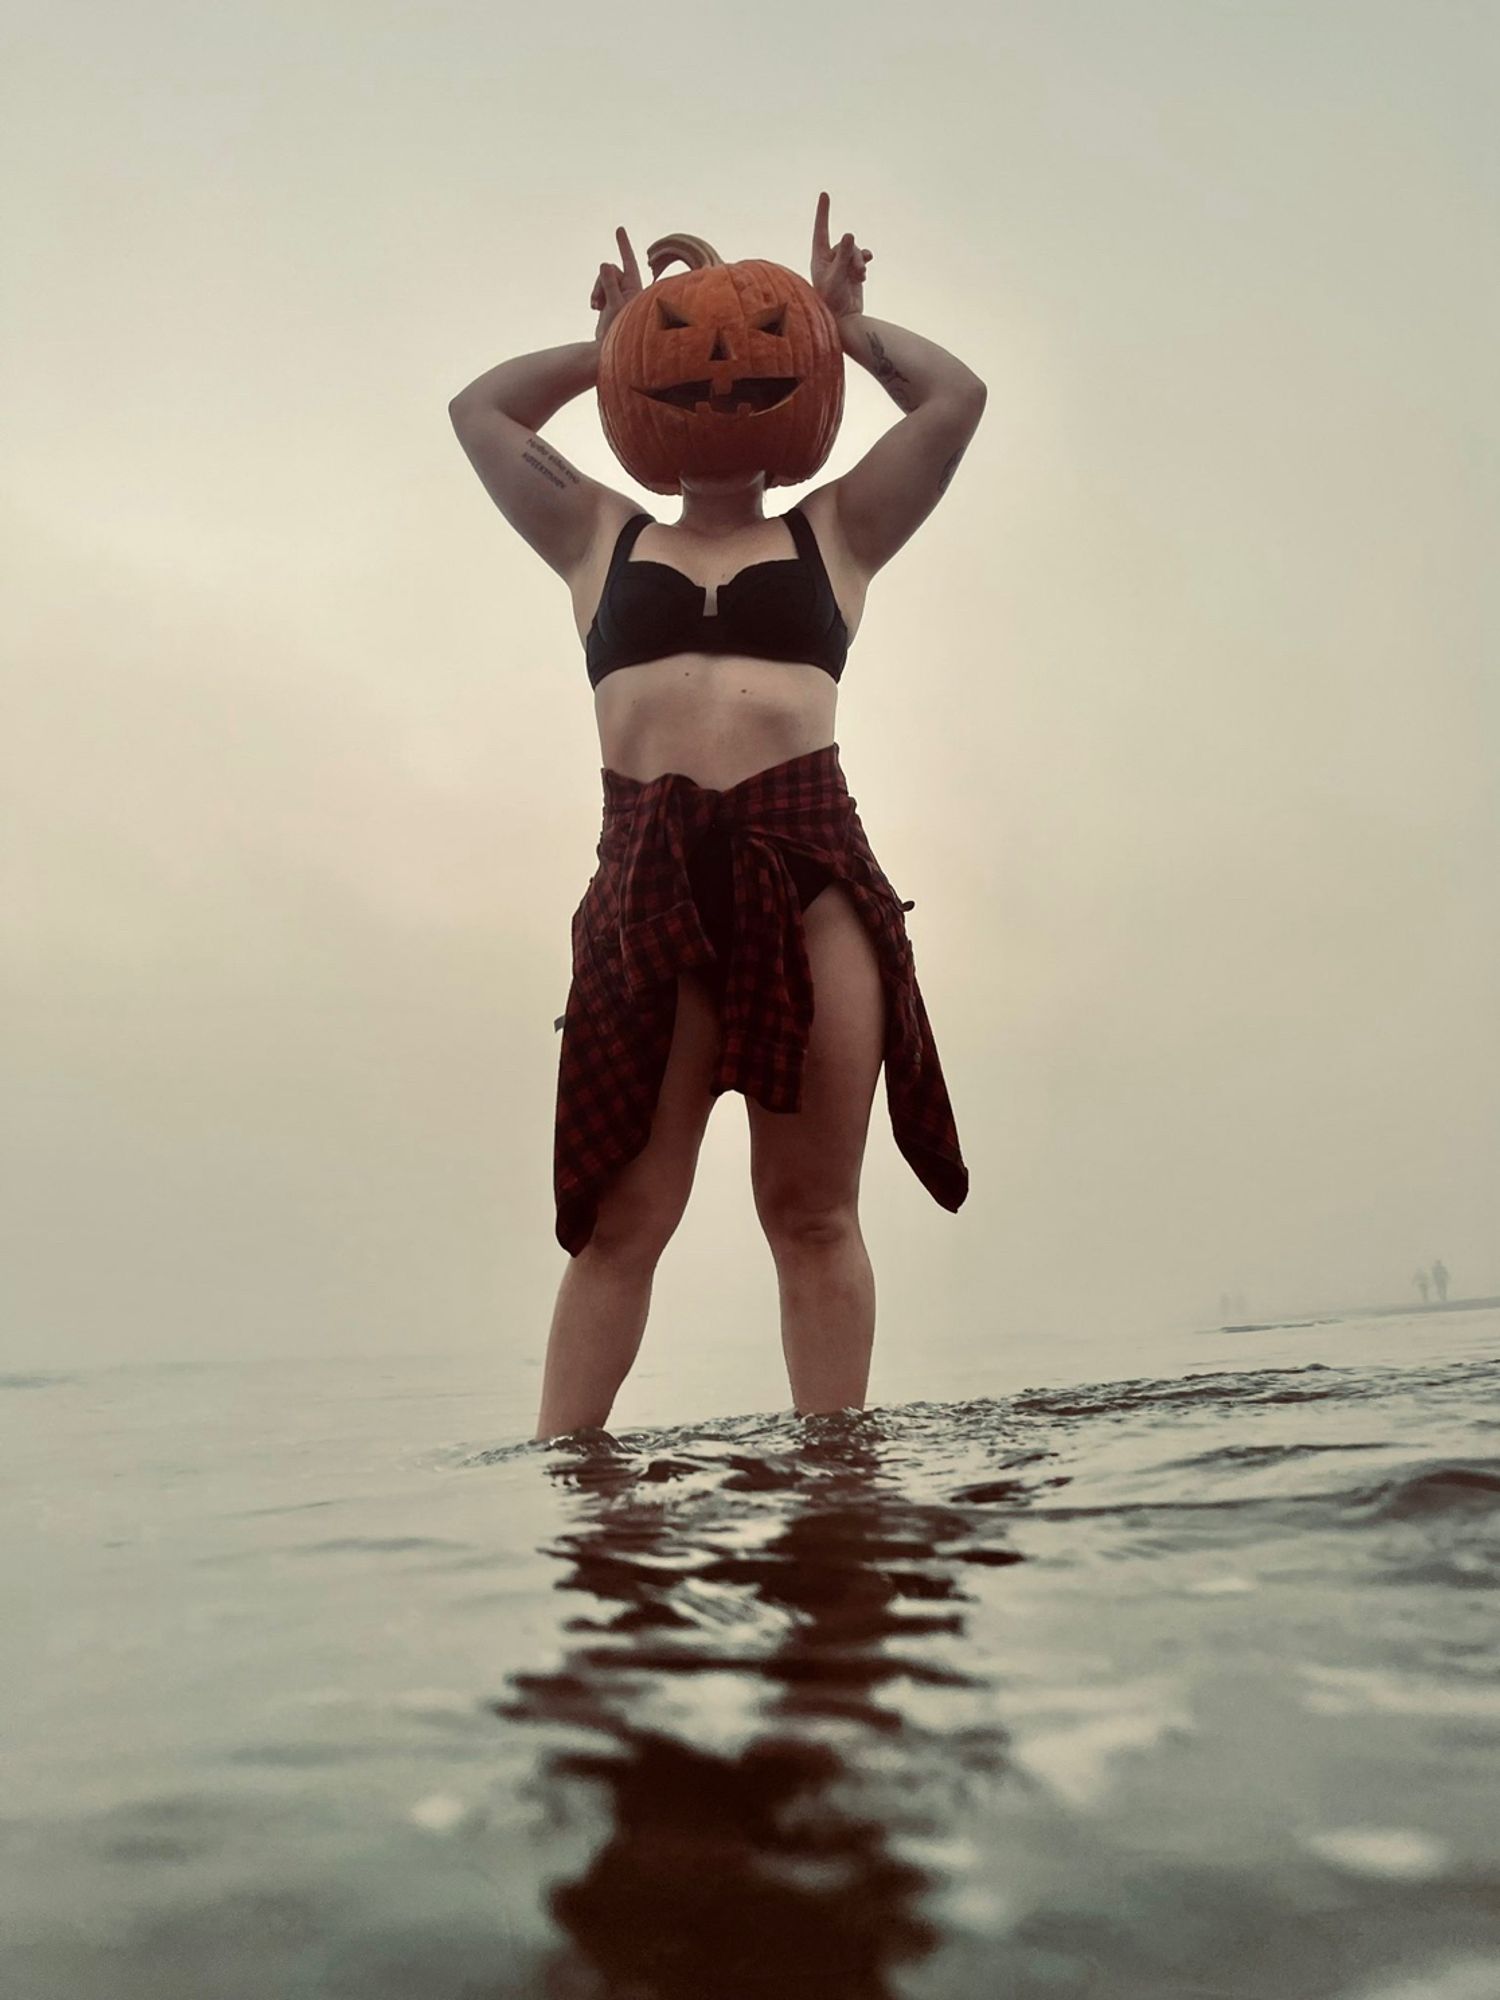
(643, 1204)
(805, 1165)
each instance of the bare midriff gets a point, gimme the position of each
(715, 717)
(719, 717)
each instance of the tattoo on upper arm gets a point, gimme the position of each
(889, 375)
(949, 469)
(551, 464)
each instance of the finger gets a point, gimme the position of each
(821, 246)
(627, 258)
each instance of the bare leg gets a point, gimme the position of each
(605, 1294)
(827, 1314)
(805, 1168)
(596, 1332)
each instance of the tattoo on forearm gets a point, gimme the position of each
(889, 375)
(549, 463)
(949, 469)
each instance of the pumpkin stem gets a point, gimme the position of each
(692, 250)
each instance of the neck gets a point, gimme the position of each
(720, 507)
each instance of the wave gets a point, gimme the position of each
(1441, 1486)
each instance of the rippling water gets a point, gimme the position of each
(1177, 1685)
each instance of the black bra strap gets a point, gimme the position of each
(807, 544)
(625, 541)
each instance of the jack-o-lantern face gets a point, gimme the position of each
(732, 368)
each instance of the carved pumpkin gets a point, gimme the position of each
(726, 369)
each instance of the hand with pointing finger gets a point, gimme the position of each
(616, 286)
(838, 270)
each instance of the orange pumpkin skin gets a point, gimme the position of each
(698, 334)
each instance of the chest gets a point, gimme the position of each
(701, 582)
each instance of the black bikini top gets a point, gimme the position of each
(781, 610)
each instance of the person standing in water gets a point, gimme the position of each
(1422, 1285)
(735, 885)
(1440, 1278)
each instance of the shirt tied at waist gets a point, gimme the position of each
(639, 926)
(767, 1006)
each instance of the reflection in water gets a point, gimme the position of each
(805, 1721)
(743, 1702)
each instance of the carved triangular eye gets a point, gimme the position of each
(772, 320)
(670, 318)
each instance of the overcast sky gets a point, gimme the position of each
(1177, 718)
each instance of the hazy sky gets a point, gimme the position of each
(1177, 719)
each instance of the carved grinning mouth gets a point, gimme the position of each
(752, 393)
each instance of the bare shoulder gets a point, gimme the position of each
(848, 576)
(821, 507)
(874, 508)
(559, 511)
(586, 579)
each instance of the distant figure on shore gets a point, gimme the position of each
(1440, 1277)
(1420, 1281)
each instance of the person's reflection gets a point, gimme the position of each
(750, 1853)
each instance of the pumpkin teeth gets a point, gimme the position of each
(752, 394)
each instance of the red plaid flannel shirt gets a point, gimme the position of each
(638, 926)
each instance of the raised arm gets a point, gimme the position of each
(559, 510)
(497, 419)
(885, 498)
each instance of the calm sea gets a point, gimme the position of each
(1164, 1672)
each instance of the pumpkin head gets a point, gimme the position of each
(724, 369)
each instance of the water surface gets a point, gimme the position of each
(322, 1678)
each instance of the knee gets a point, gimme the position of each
(635, 1228)
(799, 1221)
